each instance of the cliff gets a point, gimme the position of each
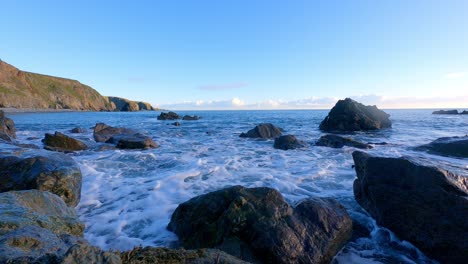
(122, 104)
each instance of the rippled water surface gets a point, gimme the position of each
(129, 196)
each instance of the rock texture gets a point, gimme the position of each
(465, 112)
(103, 132)
(168, 116)
(77, 130)
(448, 146)
(349, 115)
(63, 143)
(257, 225)
(445, 112)
(334, 141)
(190, 118)
(427, 206)
(122, 104)
(288, 142)
(133, 141)
(53, 172)
(265, 130)
(7, 127)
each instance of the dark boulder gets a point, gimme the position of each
(334, 141)
(133, 141)
(448, 146)
(190, 118)
(465, 112)
(63, 143)
(445, 112)
(265, 130)
(103, 132)
(257, 225)
(427, 206)
(288, 142)
(77, 130)
(7, 127)
(168, 116)
(53, 172)
(349, 115)
(85, 253)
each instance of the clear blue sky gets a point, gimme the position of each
(245, 52)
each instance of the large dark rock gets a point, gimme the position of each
(63, 143)
(7, 127)
(288, 142)
(257, 225)
(145, 255)
(448, 146)
(53, 172)
(190, 118)
(168, 116)
(134, 141)
(103, 132)
(265, 130)
(445, 112)
(465, 112)
(77, 130)
(334, 141)
(425, 205)
(349, 115)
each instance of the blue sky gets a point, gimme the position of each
(248, 54)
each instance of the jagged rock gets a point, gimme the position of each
(7, 127)
(122, 104)
(334, 141)
(349, 115)
(190, 118)
(265, 130)
(63, 143)
(168, 116)
(77, 130)
(288, 142)
(173, 256)
(103, 132)
(424, 205)
(53, 172)
(445, 112)
(145, 106)
(257, 225)
(134, 141)
(448, 146)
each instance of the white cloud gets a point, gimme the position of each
(237, 102)
(455, 75)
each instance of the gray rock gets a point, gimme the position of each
(168, 116)
(53, 172)
(349, 115)
(7, 127)
(334, 141)
(288, 142)
(448, 146)
(427, 206)
(445, 112)
(77, 130)
(103, 132)
(465, 112)
(190, 118)
(257, 225)
(63, 143)
(135, 141)
(265, 130)
(85, 253)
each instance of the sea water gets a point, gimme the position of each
(128, 196)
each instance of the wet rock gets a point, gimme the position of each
(85, 253)
(53, 172)
(168, 116)
(7, 127)
(190, 118)
(63, 143)
(448, 146)
(77, 130)
(257, 225)
(265, 130)
(135, 141)
(445, 112)
(20, 209)
(424, 205)
(288, 142)
(334, 141)
(165, 255)
(103, 132)
(349, 115)
(465, 112)
(176, 124)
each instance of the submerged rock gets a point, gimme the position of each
(424, 205)
(334, 141)
(445, 112)
(190, 118)
(168, 116)
(176, 124)
(288, 142)
(7, 127)
(448, 146)
(77, 130)
(63, 143)
(53, 172)
(265, 130)
(349, 115)
(103, 132)
(257, 225)
(135, 141)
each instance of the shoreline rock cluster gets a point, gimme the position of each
(450, 112)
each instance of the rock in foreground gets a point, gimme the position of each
(288, 142)
(448, 146)
(103, 132)
(63, 143)
(134, 141)
(53, 172)
(265, 130)
(427, 206)
(349, 115)
(334, 141)
(257, 225)
(7, 127)
(168, 116)
(445, 112)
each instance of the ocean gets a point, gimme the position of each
(128, 196)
